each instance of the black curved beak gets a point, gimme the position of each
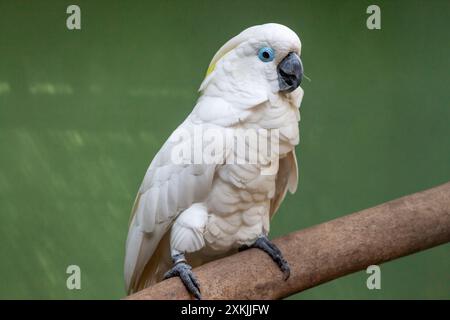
(290, 72)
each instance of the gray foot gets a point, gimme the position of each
(184, 271)
(272, 250)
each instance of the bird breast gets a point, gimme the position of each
(238, 207)
(239, 201)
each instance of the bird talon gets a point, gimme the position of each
(286, 270)
(184, 272)
(264, 244)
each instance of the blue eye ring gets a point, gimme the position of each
(266, 54)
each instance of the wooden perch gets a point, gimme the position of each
(324, 252)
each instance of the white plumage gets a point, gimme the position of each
(209, 210)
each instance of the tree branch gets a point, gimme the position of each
(324, 252)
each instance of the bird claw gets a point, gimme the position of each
(184, 272)
(264, 244)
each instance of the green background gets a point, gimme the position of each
(82, 113)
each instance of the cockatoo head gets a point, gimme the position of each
(260, 62)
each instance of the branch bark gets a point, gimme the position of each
(324, 252)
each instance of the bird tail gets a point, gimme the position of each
(154, 270)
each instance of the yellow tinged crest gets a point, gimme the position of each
(210, 69)
(215, 60)
(226, 48)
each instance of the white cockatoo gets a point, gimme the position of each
(188, 213)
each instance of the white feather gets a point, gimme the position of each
(187, 231)
(164, 182)
(219, 207)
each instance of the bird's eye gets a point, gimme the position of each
(266, 54)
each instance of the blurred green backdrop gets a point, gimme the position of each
(82, 113)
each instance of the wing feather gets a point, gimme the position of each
(287, 179)
(167, 189)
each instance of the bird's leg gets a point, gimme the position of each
(183, 270)
(272, 250)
